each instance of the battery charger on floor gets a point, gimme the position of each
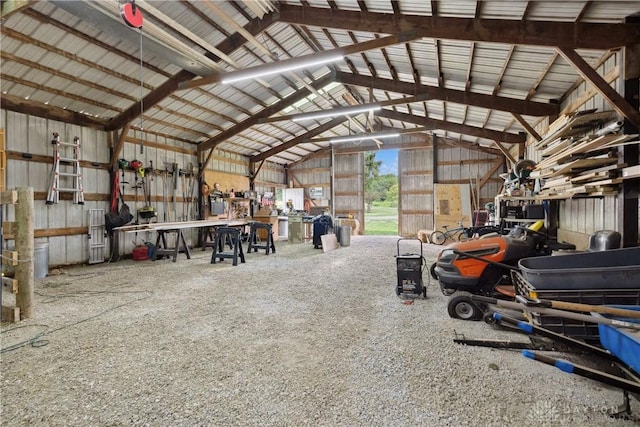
(410, 267)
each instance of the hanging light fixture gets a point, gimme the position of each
(279, 67)
(358, 137)
(346, 111)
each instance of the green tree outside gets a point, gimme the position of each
(378, 188)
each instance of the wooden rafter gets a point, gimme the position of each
(467, 85)
(607, 92)
(434, 124)
(21, 105)
(541, 33)
(153, 98)
(266, 112)
(346, 50)
(530, 108)
(298, 140)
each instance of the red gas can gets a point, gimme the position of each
(140, 253)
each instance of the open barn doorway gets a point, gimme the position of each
(381, 192)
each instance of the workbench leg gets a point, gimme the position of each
(177, 245)
(186, 247)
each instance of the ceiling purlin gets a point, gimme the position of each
(20, 105)
(150, 100)
(266, 112)
(472, 48)
(335, 45)
(527, 9)
(536, 84)
(46, 19)
(71, 57)
(540, 33)
(498, 85)
(480, 132)
(584, 10)
(496, 102)
(299, 139)
(171, 85)
(61, 93)
(187, 117)
(55, 72)
(437, 59)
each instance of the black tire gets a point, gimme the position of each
(438, 238)
(432, 270)
(488, 318)
(461, 306)
(461, 237)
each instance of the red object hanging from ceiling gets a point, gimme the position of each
(131, 15)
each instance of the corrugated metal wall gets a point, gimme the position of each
(415, 183)
(348, 186)
(459, 165)
(29, 151)
(313, 173)
(270, 177)
(577, 218)
(32, 136)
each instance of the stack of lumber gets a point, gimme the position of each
(575, 165)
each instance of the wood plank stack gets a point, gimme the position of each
(579, 162)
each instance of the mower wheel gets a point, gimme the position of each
(432, 270)
(461, 306)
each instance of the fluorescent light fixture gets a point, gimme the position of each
(363, 136)
(278, 67)
(335, 112)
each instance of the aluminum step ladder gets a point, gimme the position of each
(66, 174)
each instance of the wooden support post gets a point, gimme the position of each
(630, 154)
(24, 246)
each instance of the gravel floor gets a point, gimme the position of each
(295, 338)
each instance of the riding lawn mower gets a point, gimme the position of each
(483, 267)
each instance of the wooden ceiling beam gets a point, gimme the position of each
(298, 140)
(434, 124)
(494, 102)
(153, 98)
(580, 35)
(589, 74)
(269, 111)
(346, 50)
(38, 109)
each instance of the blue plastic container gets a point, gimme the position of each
(623, 343)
